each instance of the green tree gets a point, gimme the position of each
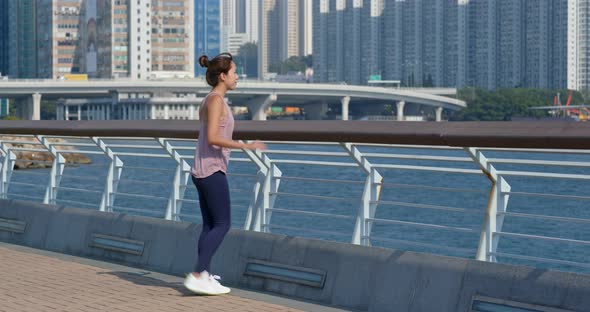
(247, 59)
(292, 64)
(504, 104)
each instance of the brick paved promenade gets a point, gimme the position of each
(34, 280)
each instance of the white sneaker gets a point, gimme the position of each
(205, 284)
(214, 279)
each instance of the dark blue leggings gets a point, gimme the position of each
(215, 210)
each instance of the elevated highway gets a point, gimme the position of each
(257, 96)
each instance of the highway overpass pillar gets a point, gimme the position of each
(29, 108)
(316, 111)
(345, 101)
(400, 110)
(439, 113)
(259, 105)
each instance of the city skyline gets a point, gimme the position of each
(457, 43)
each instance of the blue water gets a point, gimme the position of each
(156, 175)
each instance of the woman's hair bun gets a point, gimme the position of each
(204, 61)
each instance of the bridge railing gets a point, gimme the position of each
(506, 204)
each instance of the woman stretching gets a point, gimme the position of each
(210, 167)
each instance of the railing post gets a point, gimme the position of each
(268, 184)
(497, 200)
(113, 177)
(57, 170)
(181, 176)
(370, 198)
(7, 167)
(273, 182)
(254, 214)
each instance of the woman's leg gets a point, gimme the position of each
(207, 223)
(216, 192)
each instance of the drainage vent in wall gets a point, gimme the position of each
(286, 273)
(12, 226)
(486, 304)
(117, 244)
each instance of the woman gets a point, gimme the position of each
(210, 167)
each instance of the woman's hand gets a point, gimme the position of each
(256, 145)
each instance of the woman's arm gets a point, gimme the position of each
(215, 108)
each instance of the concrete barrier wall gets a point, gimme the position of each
(356, 277)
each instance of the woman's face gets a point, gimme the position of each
(231, 79)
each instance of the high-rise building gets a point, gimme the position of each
(279, 32)
(22, 38)
(172, 39)
(59, 38)
(4, 47)
(578, 42)
(489, 44)
(207, 30)
(111, 38)
(305, 28)
(252, 20)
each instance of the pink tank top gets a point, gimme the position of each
(211, 158)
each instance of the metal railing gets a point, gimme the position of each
(512, 205)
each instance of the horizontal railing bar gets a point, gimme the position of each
(308, 162)
(312, 196)
(33, 161)
(427, 206)
(189, 200)
(318, 214)
(538, 237)
(434, 147)
(142, 155)
(122, 138)
(156, 147)
(425, 225)
(135, 210)
(27, 184)
(239, 190)
(143, 182)
(419, 157)
(306, 153)
(319, 180)
(147, 168)
(539, 162)
(93, 178)
(27, 196)
(302, 143)
(544, 175)
(139, 195)
(72, 144)
(299, 229)
(428, 168)
(535, 150)
(560, 196)
(546, 217)
(77, 202)
(77, 189)
(20, 142)
(419, 244)
(30, 172)
(437, 188)
(179, 140)
(80, 152)
(25, 149)
(539, 259)
(247, 175)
